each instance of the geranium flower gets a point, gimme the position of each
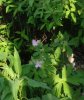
(38, 64)
(35, 42)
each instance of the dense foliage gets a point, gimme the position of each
(37, 39)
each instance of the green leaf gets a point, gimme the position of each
(58, 89)
(49, 26)
(2, 56)
(31, 3)
(53, 60)
(73, 17)
(67, 90)
(57, 53)
(8, 97)
(17, 63)
(9, 71)
(15, 86)
(74, 41)
(34, 83)
(49, 97)
(1, 2)
(69, 50)
(64, 73)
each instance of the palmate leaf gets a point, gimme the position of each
(61, 83)
(17, 63)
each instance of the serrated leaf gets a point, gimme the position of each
(15, 86)
(53, 60)
(56, 79)
(67, 90)
(8, 71)
(58, 89)
(17, 63)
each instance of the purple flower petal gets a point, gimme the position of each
(38, 64)
(35, 42)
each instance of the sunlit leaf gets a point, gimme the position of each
(15, 86)
(17, 63)
(67, 90)
(57, 53)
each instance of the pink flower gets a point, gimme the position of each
(38, 64)
(35, 42)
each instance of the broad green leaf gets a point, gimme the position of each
(34, 83)
(76, 80)
(17, 63)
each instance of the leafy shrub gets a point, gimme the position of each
(44, 34)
